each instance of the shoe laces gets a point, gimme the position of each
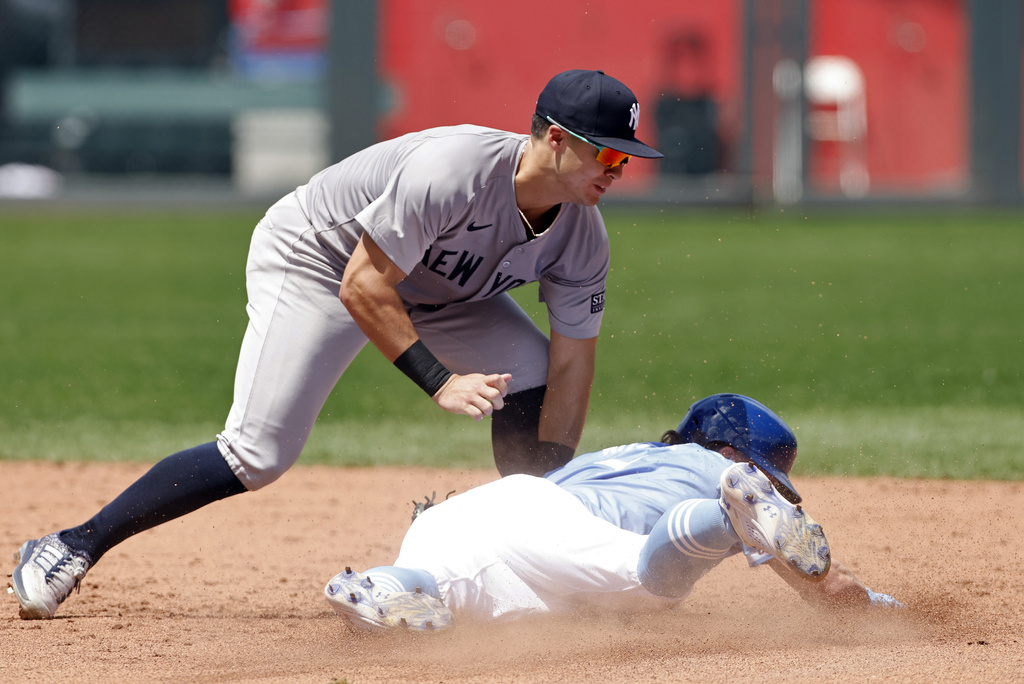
(66, 570)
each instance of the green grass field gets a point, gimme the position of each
(893, 342)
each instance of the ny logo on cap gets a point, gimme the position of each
(634, 116)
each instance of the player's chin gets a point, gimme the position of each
(593, 195)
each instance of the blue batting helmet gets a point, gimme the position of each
(748, 426)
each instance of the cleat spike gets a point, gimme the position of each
(364, 605)
(763, 519)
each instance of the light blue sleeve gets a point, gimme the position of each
(633, 485)
(684, 545)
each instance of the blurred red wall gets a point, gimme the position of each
(914, 56)
(459, 61)
(463, 61)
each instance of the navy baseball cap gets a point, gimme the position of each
(596, 107)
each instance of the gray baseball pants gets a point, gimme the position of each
(300, 339)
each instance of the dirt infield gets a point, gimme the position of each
(233, 593)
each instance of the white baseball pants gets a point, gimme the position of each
(523, 545)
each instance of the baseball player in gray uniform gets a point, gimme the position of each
(633, 526)
(412, 244)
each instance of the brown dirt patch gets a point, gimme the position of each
(233, 592)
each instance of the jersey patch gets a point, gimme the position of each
(597, 302)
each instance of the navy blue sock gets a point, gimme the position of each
(179, 484)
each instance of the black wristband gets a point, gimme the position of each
(423, 368)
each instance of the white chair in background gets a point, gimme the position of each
(837, 112)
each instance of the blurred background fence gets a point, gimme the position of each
(752, 101)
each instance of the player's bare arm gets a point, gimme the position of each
(839, 589)
(570, 378)
(368, 291)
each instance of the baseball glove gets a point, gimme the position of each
(420, 506)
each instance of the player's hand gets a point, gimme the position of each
(839, 589)
(475, 395)
(880, 600)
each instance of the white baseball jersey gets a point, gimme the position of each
(441, 205)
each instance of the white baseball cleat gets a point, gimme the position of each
(764, 520)
(48, 571)
(367, 606)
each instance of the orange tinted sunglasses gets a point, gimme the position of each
(606, 155)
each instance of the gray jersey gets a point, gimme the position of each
(441, 204)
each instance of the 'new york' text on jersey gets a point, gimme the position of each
(441, 204)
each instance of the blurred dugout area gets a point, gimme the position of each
(122, 125)
(750, 100)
